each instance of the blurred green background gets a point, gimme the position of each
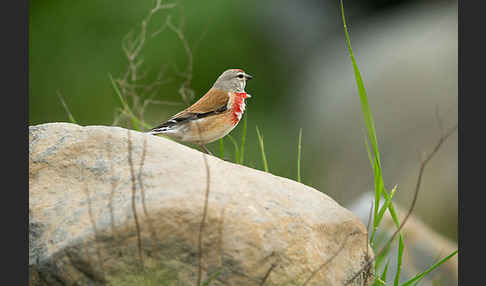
(74, 46)
(302, 79)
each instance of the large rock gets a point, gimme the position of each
(82, 228)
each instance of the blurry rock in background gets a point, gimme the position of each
(408, 60)
(422, 246)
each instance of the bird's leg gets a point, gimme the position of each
(206, 150)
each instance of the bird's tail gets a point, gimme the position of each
(165, 127)
(158, 130)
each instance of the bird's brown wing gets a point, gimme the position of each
(213, 102)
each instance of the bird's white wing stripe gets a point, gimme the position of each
(228, 105)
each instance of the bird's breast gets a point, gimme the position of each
(238, 106)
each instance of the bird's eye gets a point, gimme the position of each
(240, 75)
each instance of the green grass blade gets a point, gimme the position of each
(237, 150)
(419, 276)
(362, 93)
(383, 275)
(378, 281)
(243, 140)
(123, 103)
(391, 208)
(371, 132)
(221, 148)
(368, 150)
(379, 259)
(299, 149)
(386, 205)
(368, 117)
(262, 148)
(399, 261)
(118, 93)
(136, 123)
(382, 279)
(377, 197)
(70, 116)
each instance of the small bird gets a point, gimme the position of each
(213, 116)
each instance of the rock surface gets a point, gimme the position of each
(83, 231)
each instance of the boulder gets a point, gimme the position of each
(111, 206)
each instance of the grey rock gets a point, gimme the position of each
(83, 231)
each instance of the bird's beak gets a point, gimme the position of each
(248, 77)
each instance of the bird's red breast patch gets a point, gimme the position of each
(238, 106)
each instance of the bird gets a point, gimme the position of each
(213, 116)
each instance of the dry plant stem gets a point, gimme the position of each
(113, 187)
(204, 214)
(132, 45)
(220, 235)
(414, 200)
(368, 228)
(93, 224)
(328, 261)
(188, 74)
(267, 274)
(135, 47)
(134, 191)
(142, 190)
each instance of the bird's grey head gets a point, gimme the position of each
(233, 80)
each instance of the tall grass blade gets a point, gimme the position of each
(243, 140)
(370, 127)
(299, 148)
(221, 148)
(378, 281)
(383, 275)
(419, 276)
(136, 123)
(70, 116)
(382, 280)
(399, 261)
(237, 150)
(368, 117)
(379, 259)
(386, 205)
(262, 148)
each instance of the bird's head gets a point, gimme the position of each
(233, 80)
